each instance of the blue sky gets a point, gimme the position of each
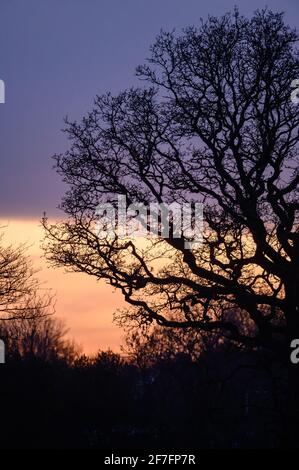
(55, 56)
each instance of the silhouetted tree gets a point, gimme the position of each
(216, 125)
(145, 347)
(20, 292)
(38, 335)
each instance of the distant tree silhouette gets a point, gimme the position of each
(216, 125)
(147, 346)
(20, 293)
(38, 335)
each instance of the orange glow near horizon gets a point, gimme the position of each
(86, 305)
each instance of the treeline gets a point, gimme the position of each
(157, 397)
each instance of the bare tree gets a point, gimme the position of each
(38, 335)
(147, 347)
(216, 125)
(20, 290)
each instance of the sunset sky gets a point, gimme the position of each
(55, 57)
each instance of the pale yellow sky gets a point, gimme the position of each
(86, 305)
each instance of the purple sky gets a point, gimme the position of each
(55, 56)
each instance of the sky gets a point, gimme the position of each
(55, 57)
